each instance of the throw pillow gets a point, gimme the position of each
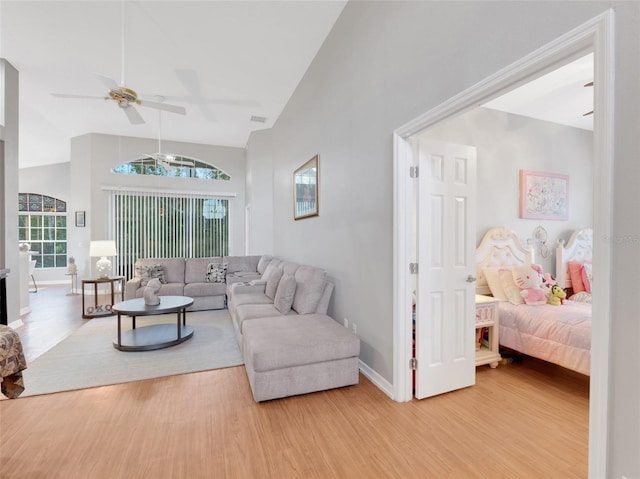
(265, 259)
(285, 293)
(575, 273)
(147, 272)
(587, 276)
(272, 283)
(216, 272)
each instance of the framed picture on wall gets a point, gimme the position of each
(305, 190)
(544, 195)
(80, 219)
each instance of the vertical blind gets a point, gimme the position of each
(165, 225)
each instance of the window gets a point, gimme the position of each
(169, 165)
(165, 225)
(42, 222)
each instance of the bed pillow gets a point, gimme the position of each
(587, 276)
(582, 297)
(493, 280)
(575, 273)
(509, 286)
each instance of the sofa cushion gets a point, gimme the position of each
(204, 289)
(216, 272)
(265, 259)
(288, 341)
(273, 265)
(196, 268)
(169, 289)
(242, 263)
(245, 312)
(310, 285)
(284, 294)
(272, 283)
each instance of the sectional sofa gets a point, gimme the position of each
(279, 314)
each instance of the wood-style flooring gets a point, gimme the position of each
(521, 420)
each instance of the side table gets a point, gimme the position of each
(100, 310)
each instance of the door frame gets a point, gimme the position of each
(596, 35)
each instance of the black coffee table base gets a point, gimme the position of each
(156, 336)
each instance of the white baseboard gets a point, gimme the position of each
(16, 324)
(380, 382)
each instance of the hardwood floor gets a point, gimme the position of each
(522, 420)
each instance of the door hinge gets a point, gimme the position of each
(413, 364)
(413, 171)
(413, 268)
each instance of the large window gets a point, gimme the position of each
(42, 222)
(152, 225)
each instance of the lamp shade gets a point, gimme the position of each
(103, 248)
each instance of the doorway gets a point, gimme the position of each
(597, 36)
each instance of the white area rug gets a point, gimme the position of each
(87, 358)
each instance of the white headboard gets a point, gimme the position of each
(578, 249)
(499, 248)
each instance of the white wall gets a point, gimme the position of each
(94, 155)
(9, 257)
(386, 63)
(507, 144)
(50, 180)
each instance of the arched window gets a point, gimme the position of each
(42, 222)
(170, 165)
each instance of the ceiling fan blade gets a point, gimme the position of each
(108, 82)
(133, 115)
(92, 97)
(163, 106)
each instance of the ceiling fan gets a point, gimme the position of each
(167, 161)
(125, 97)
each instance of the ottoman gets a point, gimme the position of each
(298, 354)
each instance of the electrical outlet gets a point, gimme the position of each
(354, 326)
(345, 321)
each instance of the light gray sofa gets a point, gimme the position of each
(289, 344)
(188, 277)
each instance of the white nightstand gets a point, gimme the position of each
(487, 317)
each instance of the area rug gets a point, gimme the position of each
(87, 358)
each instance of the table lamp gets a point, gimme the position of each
(103, 249)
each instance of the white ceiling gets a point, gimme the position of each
(559, 96)
(222, 61)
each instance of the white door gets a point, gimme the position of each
(445, 348)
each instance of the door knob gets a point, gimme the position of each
(471, 279)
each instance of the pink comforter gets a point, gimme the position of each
(558, 334)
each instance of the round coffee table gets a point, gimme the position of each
(155, 336)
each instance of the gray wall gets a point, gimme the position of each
(386, 63)
(507, 144)
(260, 192)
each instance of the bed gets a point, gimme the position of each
(557, 334)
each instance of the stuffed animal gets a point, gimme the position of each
(548, 282)
(558, 295)
(528, 277)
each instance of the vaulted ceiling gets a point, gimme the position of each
(224, 61)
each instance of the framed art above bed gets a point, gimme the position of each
(544, 195)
